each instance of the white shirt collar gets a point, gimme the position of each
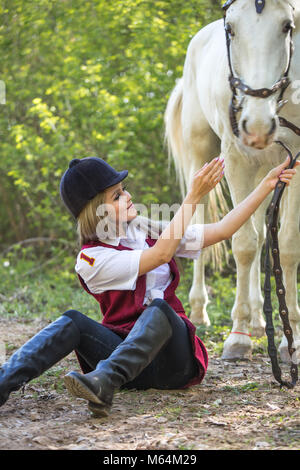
(133, 235)
(110, 241)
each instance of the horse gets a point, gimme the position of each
(260, 46)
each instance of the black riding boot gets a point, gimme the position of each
(40, 353)
(151, 331)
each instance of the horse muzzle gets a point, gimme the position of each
(260, 136)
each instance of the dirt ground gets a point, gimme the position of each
(238, 406)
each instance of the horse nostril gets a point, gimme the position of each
(273, 127)
(244, 126)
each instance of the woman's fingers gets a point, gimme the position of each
(287, 175)
(216, 169)
(209, 169)
(209, 165)
(210, 174)
(218, 177)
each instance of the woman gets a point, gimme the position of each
(145, 339)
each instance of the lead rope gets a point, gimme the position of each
(272, 240)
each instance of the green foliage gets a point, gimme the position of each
(86, 78)
(44, 289)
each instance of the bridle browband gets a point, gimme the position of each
(273, 209)
(238, 84)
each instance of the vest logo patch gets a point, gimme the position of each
(86, 258)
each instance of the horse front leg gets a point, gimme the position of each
(245, 249)
(289, 246)
(256, 298)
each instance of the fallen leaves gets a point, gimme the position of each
(243, 410)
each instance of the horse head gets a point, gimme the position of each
(259, 47)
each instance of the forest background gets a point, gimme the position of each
(81, 79)
(86, 79)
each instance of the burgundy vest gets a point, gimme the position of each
(121, 308)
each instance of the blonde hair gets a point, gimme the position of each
(88, 219)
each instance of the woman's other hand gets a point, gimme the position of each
(280, 173)
(207, 178)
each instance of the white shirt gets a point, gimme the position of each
(104, 268)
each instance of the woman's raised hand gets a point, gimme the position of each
(207, 178)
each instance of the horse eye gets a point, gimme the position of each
(229, 30)
(288, 26)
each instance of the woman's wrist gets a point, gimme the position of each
(191, 198)
(173, 233)
(265, 186)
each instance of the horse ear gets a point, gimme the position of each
(260, 5)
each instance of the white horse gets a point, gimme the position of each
(198, 128)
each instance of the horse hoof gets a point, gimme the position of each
(239, 354)
(284, 352)
(237, 347)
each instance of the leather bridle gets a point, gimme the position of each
(238, 84)
(273, 209)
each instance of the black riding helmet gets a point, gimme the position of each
(84, 179)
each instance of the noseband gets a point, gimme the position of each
(273, 209)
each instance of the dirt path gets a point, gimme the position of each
(238, 406)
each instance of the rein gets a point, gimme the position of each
(272, 242)
(273, 209)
